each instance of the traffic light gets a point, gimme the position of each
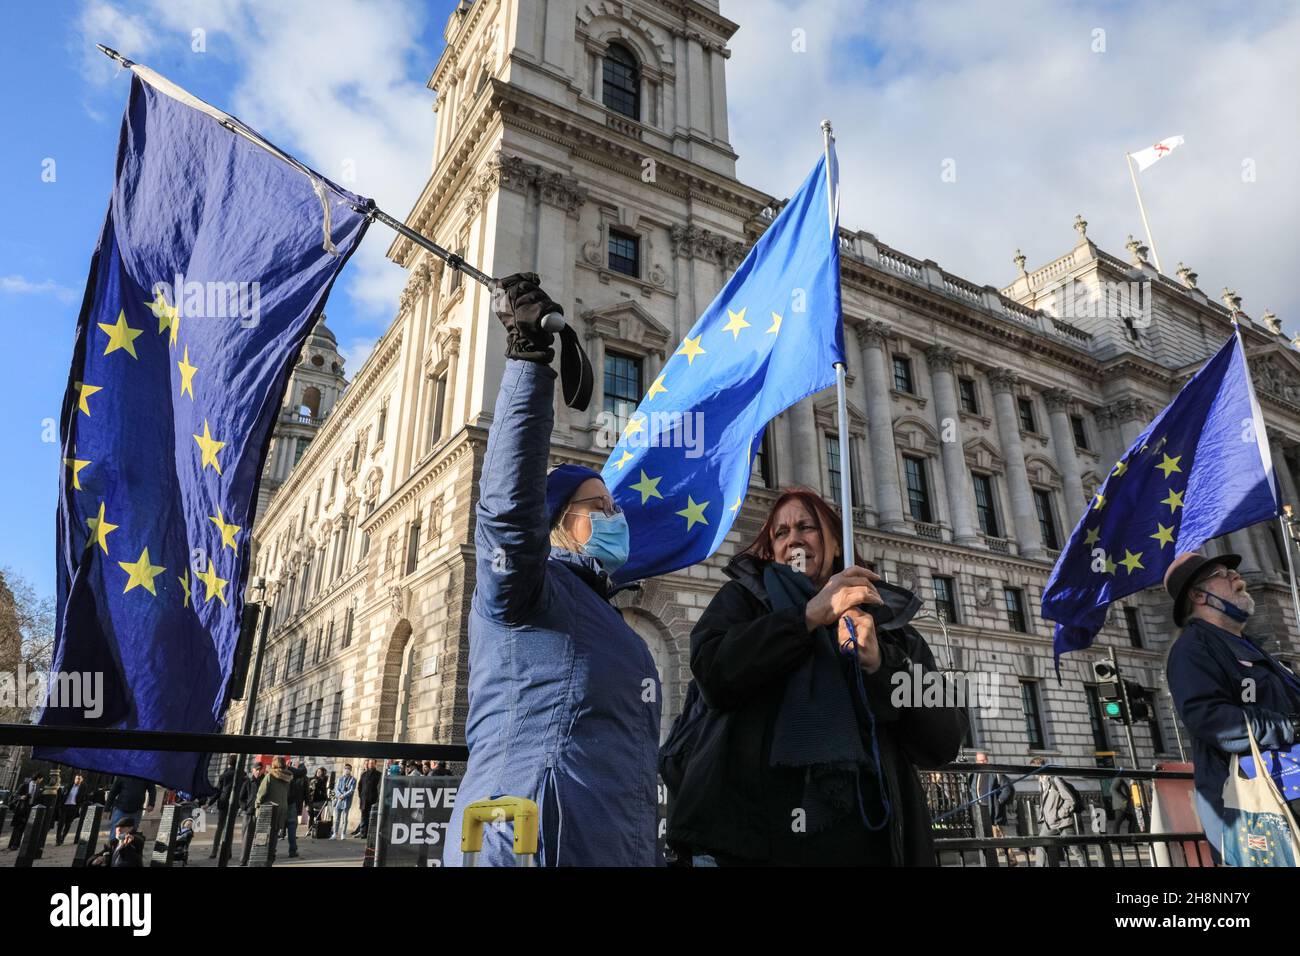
(1108, 692)
(1139, 700)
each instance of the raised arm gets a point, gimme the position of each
(511, 536)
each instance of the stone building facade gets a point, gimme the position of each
(587, 140)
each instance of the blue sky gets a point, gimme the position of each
(1033, 103)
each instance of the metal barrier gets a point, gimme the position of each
(964, 835)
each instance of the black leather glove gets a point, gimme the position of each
(520, 303)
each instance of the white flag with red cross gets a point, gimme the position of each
(1147, 157)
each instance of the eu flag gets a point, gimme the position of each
(214, 262)
(1200, 470)
(681, 468)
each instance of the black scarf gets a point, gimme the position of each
(817, 725)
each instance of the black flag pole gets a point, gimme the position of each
(576, 377)
(553, 322)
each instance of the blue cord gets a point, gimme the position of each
(875, 744)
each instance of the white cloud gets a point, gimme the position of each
(355, 352)
(101, 22)
(333, 82)
(1037, 124)
(18, 285)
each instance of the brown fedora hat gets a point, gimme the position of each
(1184, 570)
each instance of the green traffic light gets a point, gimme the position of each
(1112, 708)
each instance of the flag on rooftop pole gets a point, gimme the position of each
(770, 338)
(1201, 469)
(215, 259)
(1145, 158)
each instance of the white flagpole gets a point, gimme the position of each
(846, 457)
(1151, 240)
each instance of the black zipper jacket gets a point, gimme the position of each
(730, 800)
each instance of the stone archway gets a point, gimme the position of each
(396, 679)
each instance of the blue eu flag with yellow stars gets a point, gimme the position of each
(681, 468)
(1200, 470)
(214, 262)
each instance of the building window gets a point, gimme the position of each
(329, 639)
(456, 275)
(320, 645)
(903, 374)
(966, 392)
(1015, 599)
(918, 489)
(300, 449)
(762, 463)
(622, 82)
(984, 508)
(1157, 735)
(347, 627)
(1133, 627)
(625, 253)
(302, 655)
(945, 598)
(336, 720)
(833, 471)
(356, 455)
(1032, 707)
(436, 413)
(1080, 433)
(383, 421)
(1046, 519)
(1099, 739)
(413, 547)
(622, 385)
(1026, 408)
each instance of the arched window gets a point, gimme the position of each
(622, 81)
(311, 400)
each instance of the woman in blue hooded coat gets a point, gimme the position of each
(564, 697)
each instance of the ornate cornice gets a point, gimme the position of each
(690, 241)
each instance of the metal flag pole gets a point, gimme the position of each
(841, 392)
(552, 322)
(1151, 240)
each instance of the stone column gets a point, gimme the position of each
(1058, 400)
(880, 416)
(783, 428)
(803, 427)
(961, 491)
(1286, 480)
(1023, 513)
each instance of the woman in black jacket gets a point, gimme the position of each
(802, 757)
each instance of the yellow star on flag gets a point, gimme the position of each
(735, 322)
(1119, 469)
(649, 487)
(691, 348)
(1100, 502)
(1109, 565)
(209, 446)
(76, 464)
(1131, 561)
(215, 585)
(84, 392)
(1170, 465)
(228, 531)
(185, 586)
(634, 426)
(1163, 535)
(1092, 536)
(693, 513)
(627, 456)
(736, 505)
(1174, 501)
(187, 373)
(120, 336)
(141, 573)
(168, 316)
(99, 530)
(656, 387)
(776, 325)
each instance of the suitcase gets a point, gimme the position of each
(323, 829)
(518, 809)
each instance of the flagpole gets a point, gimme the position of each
(1151, 241)
(841, 391)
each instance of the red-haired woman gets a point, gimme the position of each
(802, 758)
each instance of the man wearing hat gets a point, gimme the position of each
(564, 696)
(1220, 679)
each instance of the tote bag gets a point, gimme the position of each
(1263, 832)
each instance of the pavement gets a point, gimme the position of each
(346, 852)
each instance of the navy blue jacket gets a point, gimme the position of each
(1210, 672)
(564, 697)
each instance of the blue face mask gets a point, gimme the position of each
(608, 543)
